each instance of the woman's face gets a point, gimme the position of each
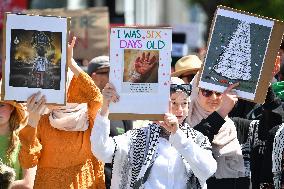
(5, 113)
(179, 105)
(209, 103)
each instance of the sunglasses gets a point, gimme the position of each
(208, 93)
(187, 88)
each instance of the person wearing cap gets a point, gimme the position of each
(13, 116)
(164, 154)
(186, 68)
(58, 141)
(98, 69)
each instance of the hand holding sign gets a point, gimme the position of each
(170, 123)
(109, 95)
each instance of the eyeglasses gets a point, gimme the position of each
(183, 87)
(208, 93)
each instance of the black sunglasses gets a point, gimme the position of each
(187, 88)
(208, 93)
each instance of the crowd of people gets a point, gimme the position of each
(207, 139)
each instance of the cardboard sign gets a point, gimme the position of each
(242, 48)
(90, 26)
(140, 60)
(34, 57)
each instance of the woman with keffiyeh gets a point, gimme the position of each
(166, 154)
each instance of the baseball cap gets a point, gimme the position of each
(98, 63)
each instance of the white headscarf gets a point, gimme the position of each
(225, 145)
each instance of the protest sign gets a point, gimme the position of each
(34, 57)
(140, 59)
(242, 48)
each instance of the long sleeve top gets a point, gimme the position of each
(64, 158)
(168, 169)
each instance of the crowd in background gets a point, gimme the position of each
(207, 139)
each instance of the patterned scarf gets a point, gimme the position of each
(142, 154)
(277, 156)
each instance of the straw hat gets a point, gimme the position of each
(21, 110)
(188, 64)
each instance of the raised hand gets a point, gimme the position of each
(70, 61)
(70, 50)
(229, 99)
(144, 64)
(35, 108)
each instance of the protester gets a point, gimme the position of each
(235, 162)
(186, 68)
(166, 154)
(58, 142)
(98, 69)
(12, 118)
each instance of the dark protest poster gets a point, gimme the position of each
(242, 48)
(34, 58)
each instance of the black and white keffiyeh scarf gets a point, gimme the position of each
(277, 156)
(132, 164)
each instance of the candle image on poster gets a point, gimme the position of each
(140, 61)
(35, 57)
(236, 53)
